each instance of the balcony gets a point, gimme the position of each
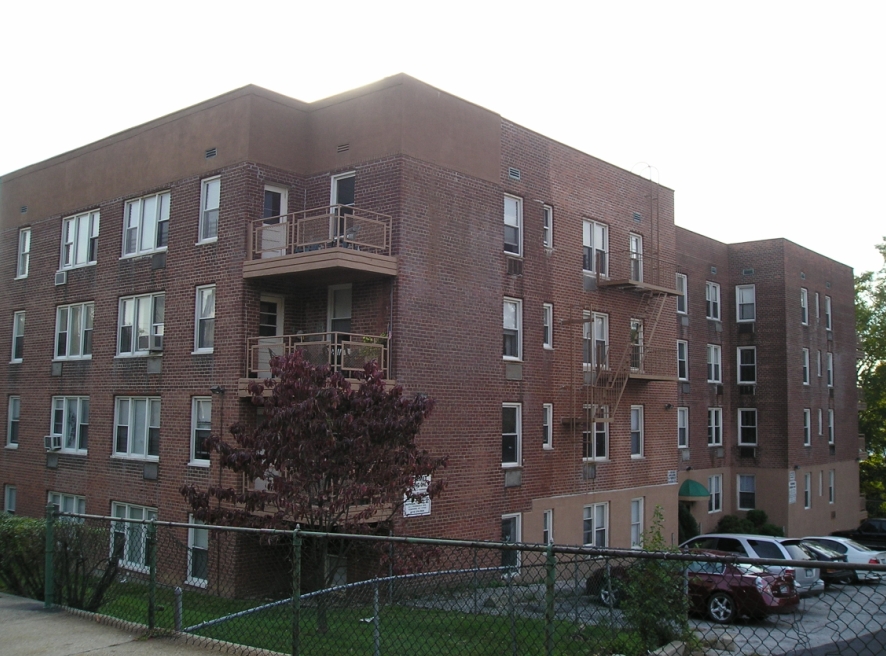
(344, 352)
(335, 241)
(631, 270)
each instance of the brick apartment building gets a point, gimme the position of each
(529, 288)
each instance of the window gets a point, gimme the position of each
(747, 426)
(79, 240)
(201, 428)
(18, 337)
(596, 524)
(682, 428)
(715, 426)
(818, 360)
(636, 523)
(715, 488)
(12, 421)
(24, 253)
(819, 422)
(547, 419)
(146, 224)
(510, 434)
(137, 427)
(635, 250)
(131, 537)
(682, 360)
(198, 554)
(513, 225)
(204, 322)
(636, 431)
(73, 331)
(714, 361)
(548, 325)
(745, 303)
(511, 533)
(807, 491)
(9, 499)
(682, 283)
(595, 441)
(70, 421)
(804, 306)
(68, 503)
(747, 365)
(805, 366)
(141, 324)
(547, 226)
(820, 482)
(547, 527)
(595, 242)
(831, 486)
(209, 200)
(512, 346)
(747, 492)
(712, 300)
(830, 426)
(817, 308)
(830, 369)
(595, 334)
(807, 427)
(827, 313)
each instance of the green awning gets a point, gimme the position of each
(693, 490)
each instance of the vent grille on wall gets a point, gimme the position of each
(61, 277)
(747, 272)
(513, 174)
(802, 276)
(343, 148)
(714, 270)
(211, 152)
(24, 209)
(638, 217)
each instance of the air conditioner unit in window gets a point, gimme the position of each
(61, 277)
(156, 345)
(52, 442)
(747, 452)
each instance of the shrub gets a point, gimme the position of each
(687, 526)
(756, 522)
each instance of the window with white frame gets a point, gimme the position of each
(511, 434)
(715, 488)
(547, 527)
(73, 331)
(827, 313)
(832, 486)
(80, 240)
(818, 360)
(204, 320)
(830, 426)
(513, 225)
(637, 523)
(137, 427)
(9, 499)
(131, 538)
(820, 482)
(595, 340)
(817, 307)
(712, 300)
(819, 423)
(595, 244)
(682, 427)
(636, 431)
(747, 365)
(807, 427)
(745, 303)
(511, 532)
(715, 426)
(805, 366)
(13, 417)
(595, 527)
(210, 192)
(146, 224)
(512, 324)
(198, 554)
(804, 306)
(830, 369)
(747, 492)
(635, 252)
(682, 359)
(24, 253)
(140, 328)
(18, 337)
(714, 363)
(807, 491)
(547, 425)
(682, 298)
(68, 503)
(201, 428)
(70, 422)
(595, 440)
(548, 325)
(747, 426)
(547, 226)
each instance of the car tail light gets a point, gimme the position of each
(789, 573)
(873, 561)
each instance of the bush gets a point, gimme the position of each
(687, 526)
(756, 522)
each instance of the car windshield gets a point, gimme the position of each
(796, 552)
(856, 545)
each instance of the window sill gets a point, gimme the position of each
(203, 242)
(12, 446)
(76, 266)
(547, 347)
(547, 447)
(638, 457)
(715, 445)
(504, 359)
(20, 278)
(511, 465)
(128, 458)
(71, 359)
(130, 356)
(135, 256)
(202, 464)
(196, 583)
(71, 452)
(203, 352)
(15, 361)
(593, 460)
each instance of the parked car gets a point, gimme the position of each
(721, 591)
(821, 553)
(855, 553)
(808, 579)
(871, 533)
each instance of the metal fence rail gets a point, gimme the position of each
(301, 592)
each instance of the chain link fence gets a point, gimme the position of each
(299, 592)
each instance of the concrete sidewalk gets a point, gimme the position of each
(27, 629)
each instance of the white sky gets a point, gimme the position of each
(767, 118)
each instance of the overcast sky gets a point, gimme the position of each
(767, 118)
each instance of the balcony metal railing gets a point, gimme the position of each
(331, 226)
(626, 265)
(345, 352)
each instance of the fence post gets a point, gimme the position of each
(177, 610)
(49, 564)
(151, 544)
(376, 627)
(296, 592)
(512, 610)
(550, 581)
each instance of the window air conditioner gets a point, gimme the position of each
(61, 277)
(52, 442)
(156, 344)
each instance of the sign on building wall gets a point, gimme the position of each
(672, 477)
(418, 508)
(792, 487)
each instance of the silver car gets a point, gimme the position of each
(855, 553)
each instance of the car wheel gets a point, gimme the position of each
(608, 598)
(721, 608)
